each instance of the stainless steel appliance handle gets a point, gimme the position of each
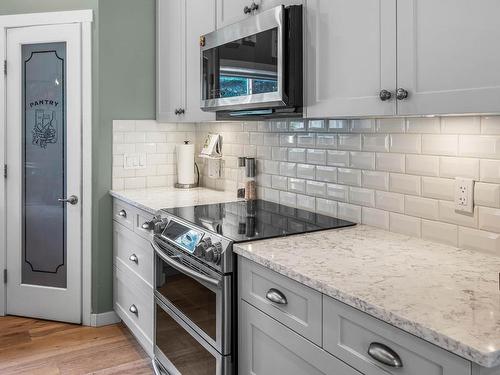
(385, 355)
(182, 268)
(274, 295)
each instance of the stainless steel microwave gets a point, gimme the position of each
(254, 67)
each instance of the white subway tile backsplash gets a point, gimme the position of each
(479, 240)
(487, 195)
(297, 185)
(349, 176)
(375, 180)
(135, 183)
(306, 171)
(436, 144)
(361, 196)
(391, 125)
(362, 160)
(451, 167)
(406, 143)
(317, 189)
(326, 206)
(440, 232)
(316, 156)
(349, 212)
(403, 224)
(489, 219)
(448, 214)
(297, 126)
(288, 140)
(375, 142)
(438, 188)
(326, 141)
(338, 126)
(279, 182)
(337, 192)
(375, 218)
(490, 170)
(257, 139)
(363, 126)
(279, 126)
(423, 125)
(306, 202)
(316, 125)
(390, 162)
(288, 199)
(390, 201)
(326, 174)
(264, 152)
(280, 153)
(288, 169)
(124, 125)
(490, 125)
(423, 165)
(349, 142)
(297, 155)
(272, 195)
(460, 125)
(404, 183)
(271, 139)
(271, 166)
(483, 146)
(421, 207)
(338, 158)
(306, 140)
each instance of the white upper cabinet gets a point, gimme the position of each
(448, 56)
(179, 27)
(350, 57)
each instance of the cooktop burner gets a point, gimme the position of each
(242, 221)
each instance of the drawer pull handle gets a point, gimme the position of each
(133, 309)
(122, 213)
(274, 295)
(133, 258)
(385, 355)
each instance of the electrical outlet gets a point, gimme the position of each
(464, 195)
(214, 168)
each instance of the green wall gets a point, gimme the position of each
(123, 79)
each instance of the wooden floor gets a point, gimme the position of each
(38, 347)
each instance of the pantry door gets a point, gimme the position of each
(43, 185)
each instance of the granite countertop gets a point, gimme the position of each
(154, 199)
(442, 294)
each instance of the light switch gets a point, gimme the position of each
(134, 161)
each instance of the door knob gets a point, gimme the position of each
(71, 200)
(401, 94)
(385, 95)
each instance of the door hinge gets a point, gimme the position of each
(5, 67)
(5, 276)
(5, 170)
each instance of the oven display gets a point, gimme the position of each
(183, 236)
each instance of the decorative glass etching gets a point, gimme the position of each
(44, 164)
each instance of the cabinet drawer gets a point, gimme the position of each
(348, 334)
(268, 347)
(131, 292)
(302, 310)
(141, 218)
(123, 214)
(134, 251)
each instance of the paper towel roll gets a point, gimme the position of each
(185, 164)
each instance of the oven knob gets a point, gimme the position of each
(159, 226)
(201, 248)
(213, 253)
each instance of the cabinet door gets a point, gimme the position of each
(268, 347)
(448, 56)
(231, 11)
(268, 4)
(200, 19)
(350, 57)
(170, 60)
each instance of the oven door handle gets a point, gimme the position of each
(186, 270)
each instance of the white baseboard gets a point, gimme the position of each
(104, 319)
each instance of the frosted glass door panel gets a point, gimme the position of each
(44, 164)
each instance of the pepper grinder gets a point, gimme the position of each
(250, 183)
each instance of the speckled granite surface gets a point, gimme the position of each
(444, 295)
(154, 199)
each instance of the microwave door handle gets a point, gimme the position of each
(185, 270)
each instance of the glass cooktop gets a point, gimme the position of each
(243, 221)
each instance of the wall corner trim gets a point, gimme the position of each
(104, 319)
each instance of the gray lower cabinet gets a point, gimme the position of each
(267, 347)
(133, 272)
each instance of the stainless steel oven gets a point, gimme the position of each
(193, 310)
(254, 65)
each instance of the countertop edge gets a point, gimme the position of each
(132, 202)
(432, 336)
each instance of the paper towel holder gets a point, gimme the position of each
(190, 186)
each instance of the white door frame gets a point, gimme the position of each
(85, 18)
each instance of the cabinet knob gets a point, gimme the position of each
(401, 94)
(385, 95)
(181, 111)
(252, 8)
(274, 295)
(247, 10)
(385, 355)
(122, 213)
(133, 309)
(134, 258)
